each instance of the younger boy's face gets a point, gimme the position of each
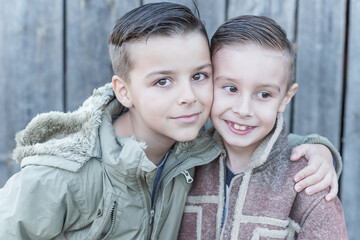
(250, 88)
(170, 87)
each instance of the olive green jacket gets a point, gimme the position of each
(79, 181)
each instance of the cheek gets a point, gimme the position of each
(269, 116)
(204, 94)
(152, 103)
(219, 104)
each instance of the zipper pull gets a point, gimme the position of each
(188, 177)
(152, 213)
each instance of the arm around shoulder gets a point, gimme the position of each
(317, 139)
(34, 204)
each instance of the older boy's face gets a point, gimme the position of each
(170, 87)
(249, 90)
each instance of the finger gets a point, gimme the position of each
(307, 171)
(313, 176)
(299, 151)
(334, 189)
(322, 185)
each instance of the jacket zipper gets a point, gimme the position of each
(112, 218)
(152, 211)
(188, 177)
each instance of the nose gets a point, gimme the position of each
(186, 94)
(242, 107)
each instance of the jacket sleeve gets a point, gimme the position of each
(316, 139)
(34, 204)
(324, 220)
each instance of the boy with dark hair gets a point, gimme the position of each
(248, 193)
(120, 166)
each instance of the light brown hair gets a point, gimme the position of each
(153, 19)
(257, 30)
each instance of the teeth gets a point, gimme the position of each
(242, 128)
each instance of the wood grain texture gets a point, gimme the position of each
(350, 191)
(212, 12)
(88, 25)
(319, 68)
(31, 66)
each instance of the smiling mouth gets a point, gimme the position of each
(239, 127)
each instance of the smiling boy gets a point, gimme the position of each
(120, 167)
(166, 94)
(248, 193)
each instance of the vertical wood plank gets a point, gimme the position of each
(283, 12)
(350, 191)
(31, 67)
(212, 12)
(319, 68)
(88, 25)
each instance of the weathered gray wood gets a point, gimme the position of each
(31, 65)
(350, 190)
(320, 44)
(88, 25)
(212, 12)
(283, 12)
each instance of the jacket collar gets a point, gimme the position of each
(125, 156)
(267, 149)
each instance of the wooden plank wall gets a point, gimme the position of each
(54, 53)
(350, 190)
(31, 68)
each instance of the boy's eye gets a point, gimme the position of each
(263, 95)
(162, 82)
(231, 89)
(199, 77)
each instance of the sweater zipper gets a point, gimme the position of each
(227, 200)
(185, 173)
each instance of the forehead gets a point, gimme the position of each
(170, 51)
(250, 62)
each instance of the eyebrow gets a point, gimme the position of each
(166, 72)
(224, 78)
(271, 86)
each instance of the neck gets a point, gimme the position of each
(238, 158)
(157, 146)
(156, 153)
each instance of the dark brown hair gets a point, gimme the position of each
(153, 19)
(256, 30)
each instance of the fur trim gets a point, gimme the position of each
(262, 152)
(69, 135)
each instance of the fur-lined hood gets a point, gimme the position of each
(69, 135)
(74, 136)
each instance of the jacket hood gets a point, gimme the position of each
(71, 135)
(75, 137)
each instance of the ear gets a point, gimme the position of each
(122, 91)
(288, 96)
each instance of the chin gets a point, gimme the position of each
(186, 137)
